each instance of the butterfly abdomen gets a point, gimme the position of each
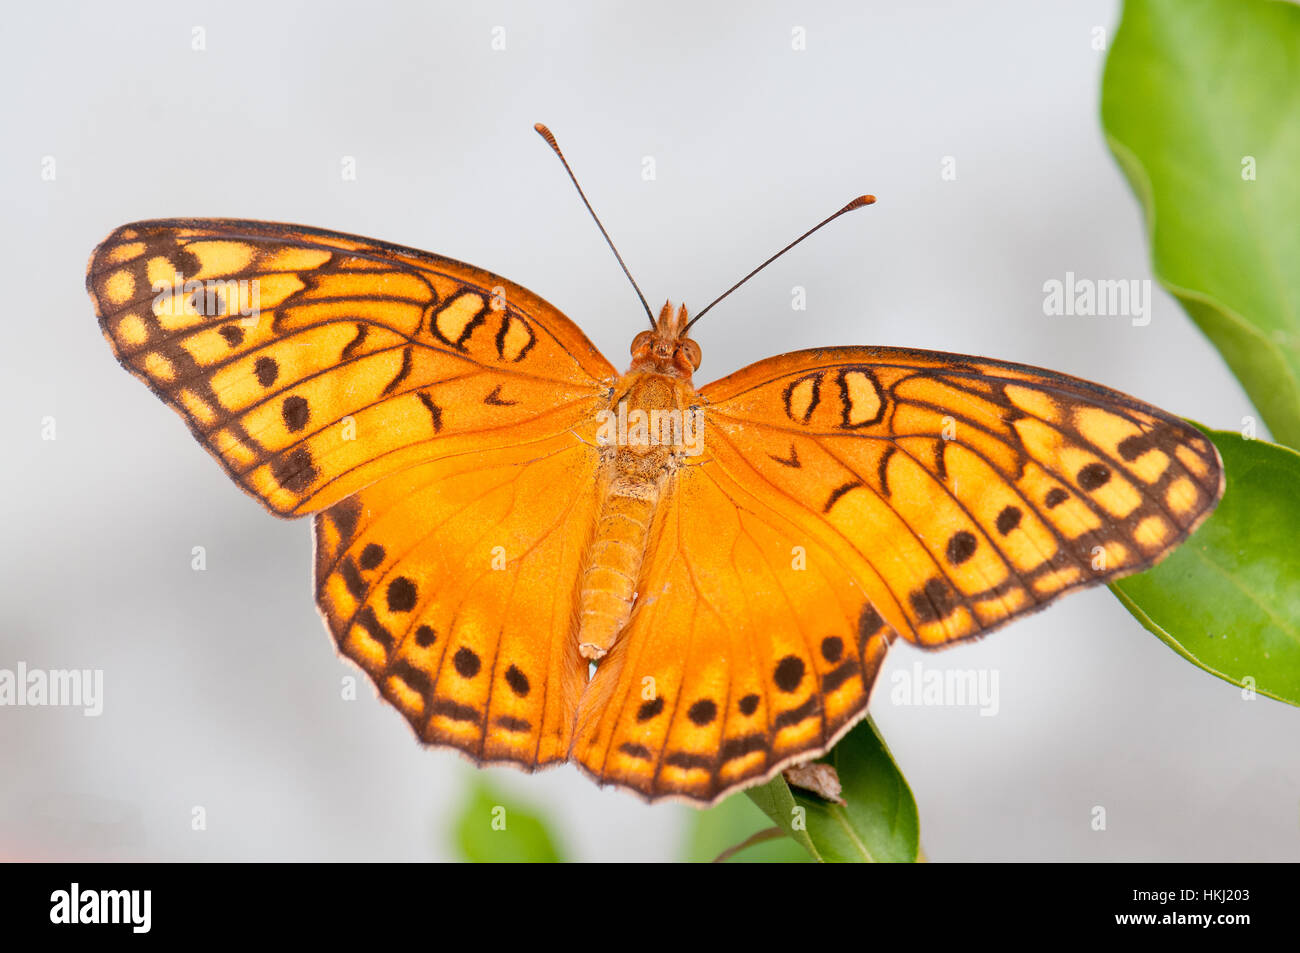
(613, 564)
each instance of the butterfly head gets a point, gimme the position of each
(666, 349)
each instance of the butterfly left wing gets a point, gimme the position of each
(452, 584)
(312, 363)
(966, 491)
(848, 494)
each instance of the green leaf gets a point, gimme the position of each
(877, 822)
(775, 800)
(1194, 92)
(730, 824)
(1228, 599)
(493, 828)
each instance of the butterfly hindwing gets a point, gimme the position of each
(312, 363)
(451, 583)
(751, 648)
(965, 491)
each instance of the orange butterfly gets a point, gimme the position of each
(496, 507)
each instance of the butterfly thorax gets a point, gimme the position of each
(653, 424)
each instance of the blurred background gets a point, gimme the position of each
(707, 136)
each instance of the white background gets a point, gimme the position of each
(222, 688)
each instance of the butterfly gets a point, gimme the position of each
(683, 590)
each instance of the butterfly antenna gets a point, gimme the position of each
(857, 203)
(555, 147)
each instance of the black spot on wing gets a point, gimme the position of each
(703, 711)
(295, 413)
(401, 595)
(296, 471)
(961, 547)
(371, 556)
(266, 370)
(650, 709)
(1008, 519)
(1094, 476)
(936, 600)
(467, 662)
(517, 681)
(789, 673)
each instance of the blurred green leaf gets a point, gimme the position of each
(730, 824)
(494, 828)
(1195, 91)
(1228, 599)
(877, 822)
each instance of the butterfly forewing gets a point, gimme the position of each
(966, 491)
(313, 364)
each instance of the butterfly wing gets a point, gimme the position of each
(971, 491)
(452, 585)
(437, 418)
(847, 494)
(312, 364)
(750, 646)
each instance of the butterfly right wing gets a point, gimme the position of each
(435, 417)
(452, 584)
(312, 363)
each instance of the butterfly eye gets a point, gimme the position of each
(642, 341)
(691, 350)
